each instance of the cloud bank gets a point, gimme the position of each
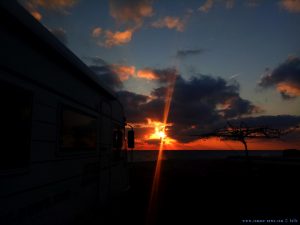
(197, 105)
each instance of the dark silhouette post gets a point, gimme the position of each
(246, 148)
(130, 140)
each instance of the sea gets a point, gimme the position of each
(151, 155)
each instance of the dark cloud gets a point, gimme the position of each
(166, 76)
(133, 104)
(278, 122)
(95, 60)
(60, 34)
(202, 102)
(107, 76)
(189, 52)
(286, 78)
(105, 73)
(238, 106)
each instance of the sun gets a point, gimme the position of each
(159, 132)
(162, 134)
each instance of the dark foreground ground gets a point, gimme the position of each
(231, 191)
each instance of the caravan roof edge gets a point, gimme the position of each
(44, 35)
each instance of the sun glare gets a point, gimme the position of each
(159, 129)
(153, 197)
(159, 132)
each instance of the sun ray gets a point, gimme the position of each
(155, 184)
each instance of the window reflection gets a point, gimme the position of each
(79, 131)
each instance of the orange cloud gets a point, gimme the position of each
(32, 9)
(56, 5)
(38, 16)
(284, 77)
(291, 5)
(126, 11)
(170, 23)
(288, 89)
(147, 74)
(209, 4)
(96, 32)
(206, 6)
(117, 38)
(124, 72)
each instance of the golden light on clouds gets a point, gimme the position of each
(147, 74)
(288, 89)
(124, 72)
(291, 5)
(117, 38)
(38, 16)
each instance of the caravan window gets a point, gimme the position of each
(15, 122)
(78, 131)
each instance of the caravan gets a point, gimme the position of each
(62, 132)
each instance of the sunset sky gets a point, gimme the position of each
(187, 67)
